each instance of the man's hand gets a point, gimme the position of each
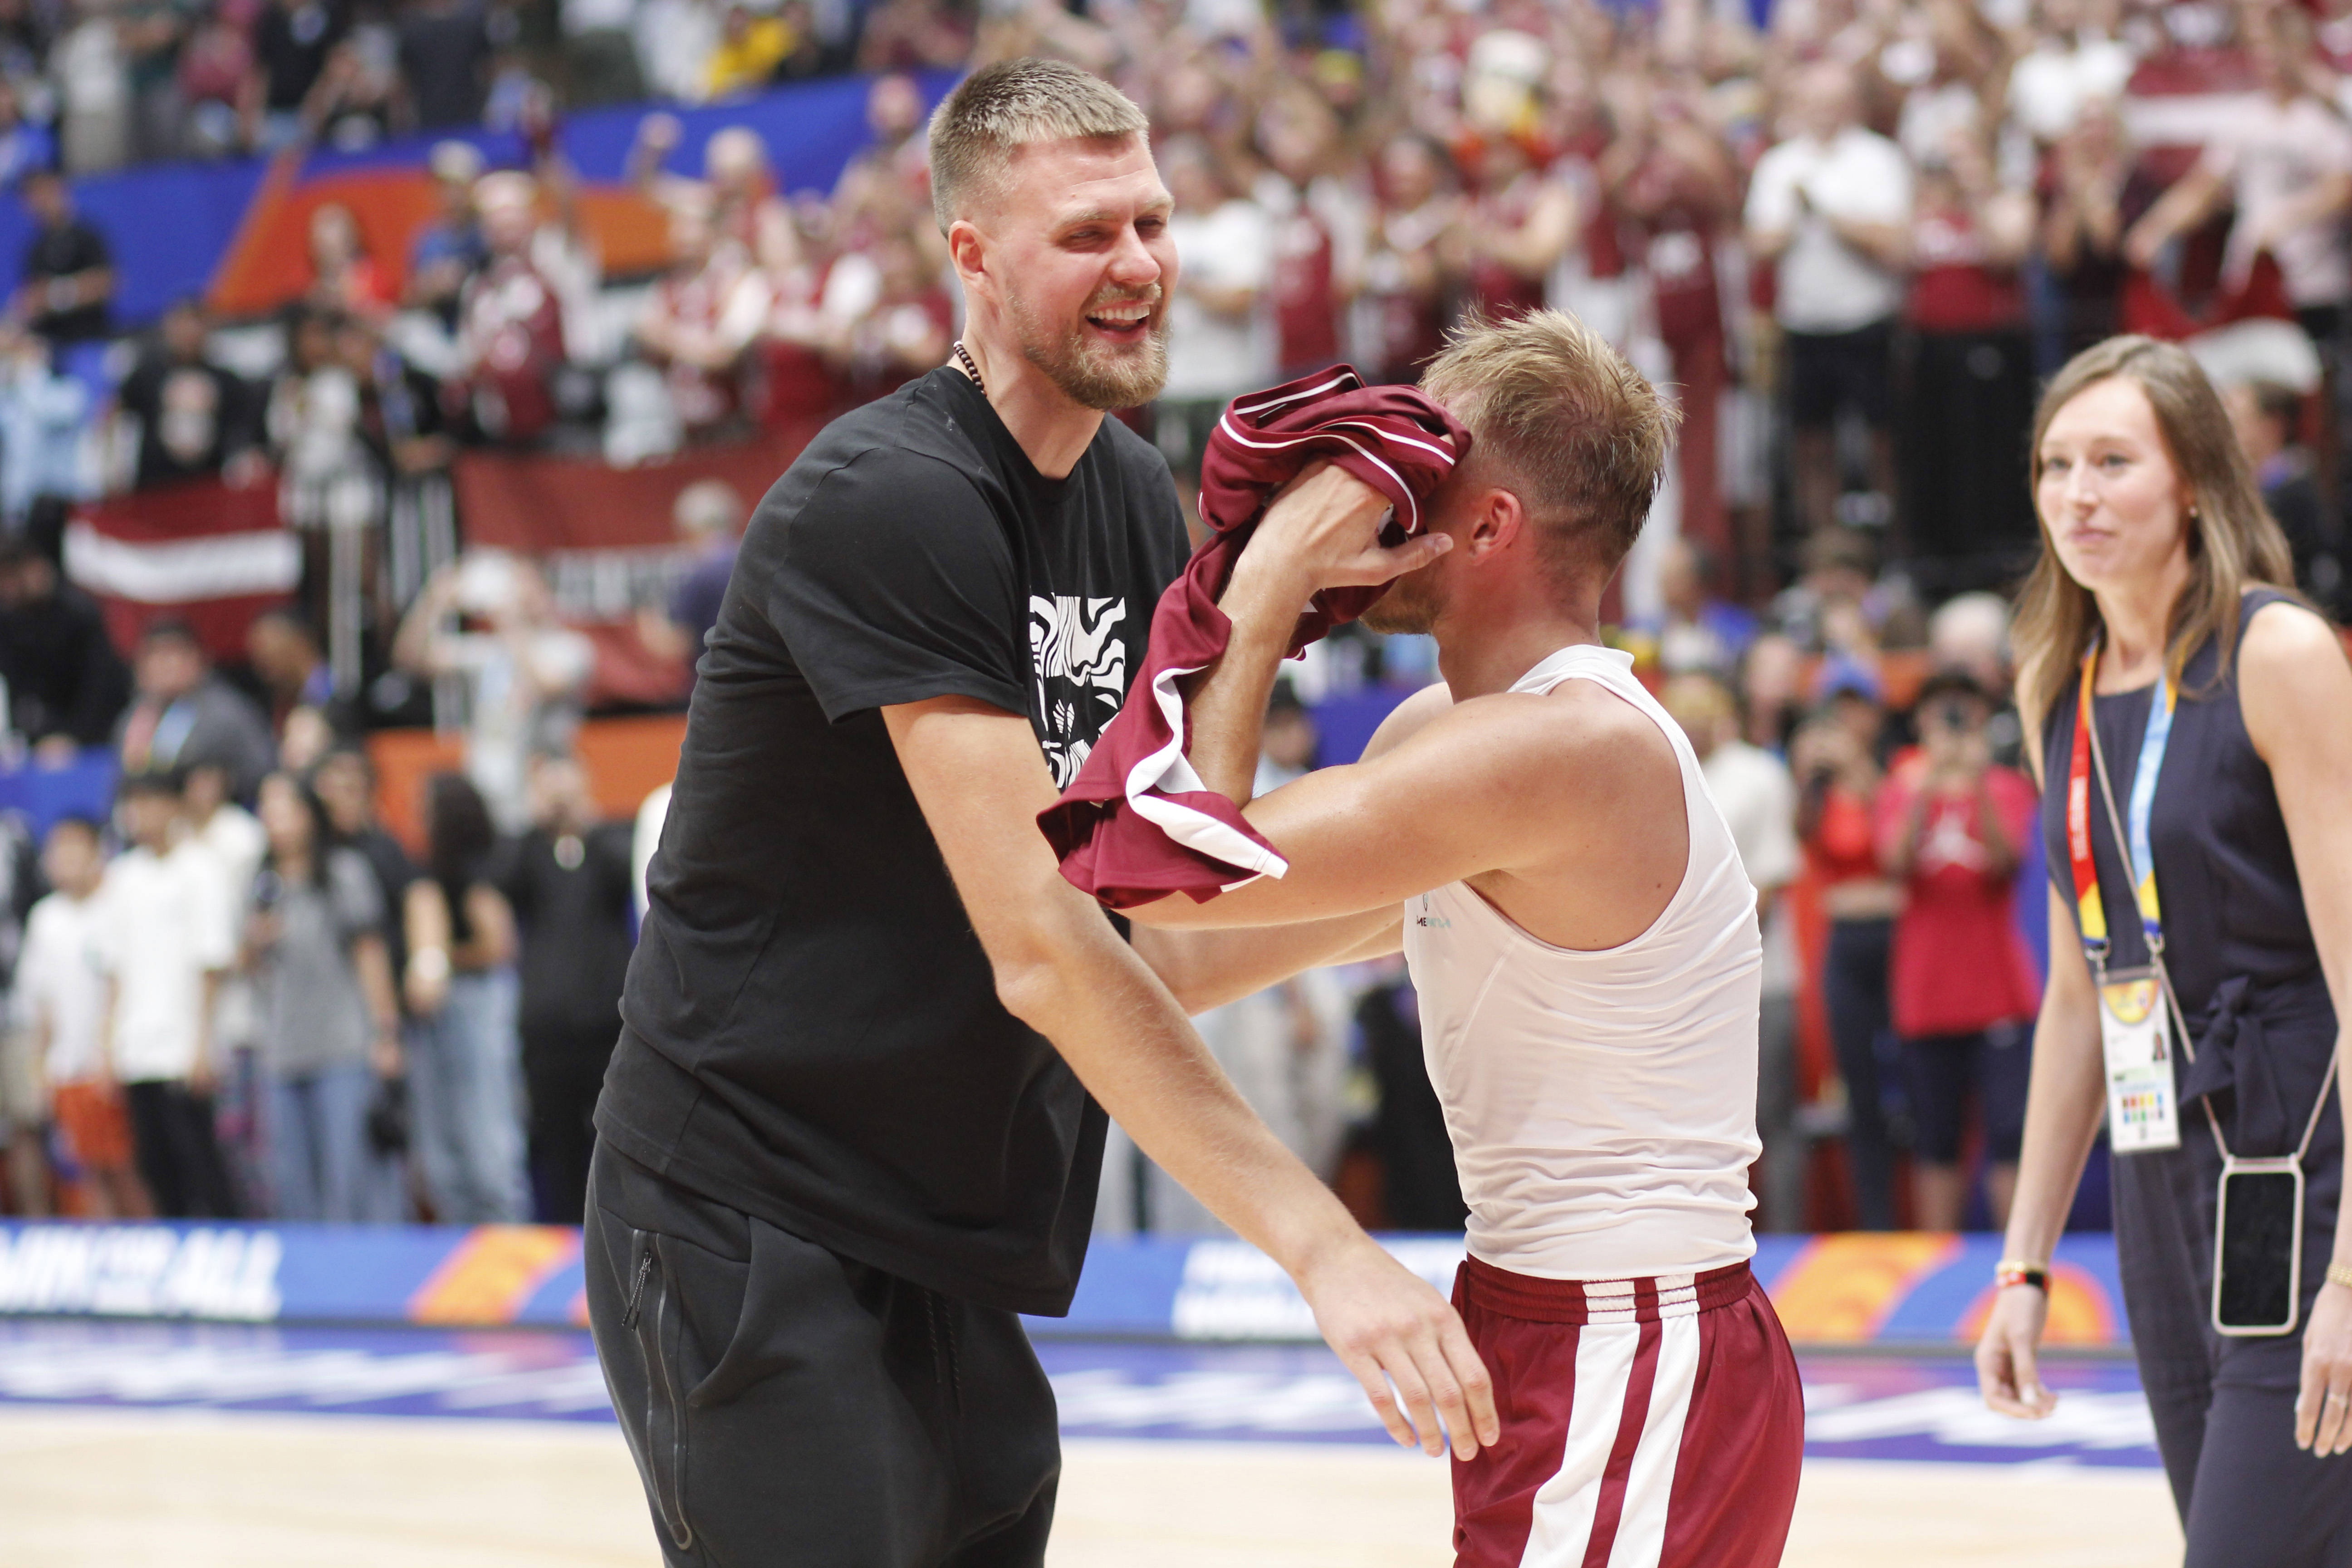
(1406, 1347)
(1323, 531)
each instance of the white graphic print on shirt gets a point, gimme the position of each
(1081, 664)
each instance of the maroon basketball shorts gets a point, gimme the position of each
(1646, 1423)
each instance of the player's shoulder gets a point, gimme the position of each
(1579, 735)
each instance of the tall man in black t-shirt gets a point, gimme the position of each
(846, 1134)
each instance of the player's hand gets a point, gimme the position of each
(1406, 1347)
(2007, 1372)
(1323, 531)
(2323, 1409)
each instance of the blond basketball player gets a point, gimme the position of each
(1537, 837)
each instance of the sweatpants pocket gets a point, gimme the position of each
(651, 1314)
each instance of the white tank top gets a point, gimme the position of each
(1603, 1105)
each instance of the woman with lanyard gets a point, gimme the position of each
(2198, 720)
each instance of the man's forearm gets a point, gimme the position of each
(1228, 707)
(1125, 1037)
(1207, 968)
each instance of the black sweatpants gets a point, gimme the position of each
(2224, 1407)
(790, 1408)
(179, 1153)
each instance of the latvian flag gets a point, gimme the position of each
(198, 552)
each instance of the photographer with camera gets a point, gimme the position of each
(1950, 824)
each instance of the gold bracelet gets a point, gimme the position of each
(2340, 1274)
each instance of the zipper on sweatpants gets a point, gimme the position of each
(637, 1290)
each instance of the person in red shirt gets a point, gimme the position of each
(1950, 826)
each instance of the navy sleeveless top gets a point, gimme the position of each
(2237, 942)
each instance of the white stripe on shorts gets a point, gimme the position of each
(1561, 1530)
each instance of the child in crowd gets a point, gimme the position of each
(167, 936)
(61, 1004)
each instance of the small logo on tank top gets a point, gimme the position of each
(1434, 923)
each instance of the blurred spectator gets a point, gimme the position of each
(2075, 60)
(568, 881)
(193, 418)
(345, 781)
(329, 1029)
(93, 88)
(1951, 825)
(444, 57)
(1772, 692)
(292, 42)
(43, 417)
(875, 182)
(1700, 630)
(1401, 316)
(449, 247)
(67, 291)
(1830, 210)
(65, 685)
(523, 673)
(1970, 633)
(59, 1000)
(599, 57)
(701, 318)
(1969, 388)
(1673, 182)
(909, 328)
(2284, 162)
(148, 33)
(1518, 226)
(1835, 760)
(2265, 416)
(753, 42)
(1759, 800)
(1319, 226)
(344, 279)
(181, 711)
(509, 323)
(24, 146)
(330, 489)
(168, 937)
(216, 73)
(282, 646)
(1220, 343)
(464, 1058)
(708, 516)
(2092, 190)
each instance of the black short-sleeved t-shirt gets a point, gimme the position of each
(812, 1029)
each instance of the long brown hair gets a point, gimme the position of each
(2234, 543)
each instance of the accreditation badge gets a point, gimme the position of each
(2135, 1035)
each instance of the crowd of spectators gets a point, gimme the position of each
(1850, 233)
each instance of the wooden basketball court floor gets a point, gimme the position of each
(272, 1450)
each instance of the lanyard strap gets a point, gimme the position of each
(2140, 861)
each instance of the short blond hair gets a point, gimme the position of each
(1559, 419)
(1009, 105)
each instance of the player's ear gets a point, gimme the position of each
(1501, 518)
